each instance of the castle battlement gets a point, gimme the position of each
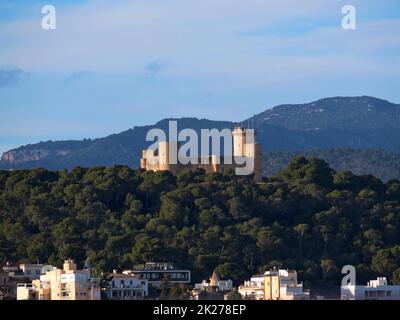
(243, 145)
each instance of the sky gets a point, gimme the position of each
(113, 64)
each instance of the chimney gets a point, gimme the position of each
(69, 265)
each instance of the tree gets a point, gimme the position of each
(233, 295)
(165, 287)
(328, 267)
(387, 261)
(301, 229)
(179, 292)
(308, 217)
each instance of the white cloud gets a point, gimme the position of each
(199, 39)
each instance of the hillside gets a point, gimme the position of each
(355, 122)
(307, 217)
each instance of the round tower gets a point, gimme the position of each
(239, 142)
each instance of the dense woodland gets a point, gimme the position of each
(378, 162)
(308, 217)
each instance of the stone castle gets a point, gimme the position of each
(243, 146)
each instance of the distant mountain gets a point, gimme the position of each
(356, 122)
(122, 148)
(340, 122)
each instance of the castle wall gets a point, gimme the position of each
(162, 160)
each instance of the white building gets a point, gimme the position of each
(26, 291)
(24, 270)
(253, 289)
(290, 288)
(126, 287)
(214, 283)
(68, 283)
(274, 285)
(156, 272)
(214, 289)
(374, 290)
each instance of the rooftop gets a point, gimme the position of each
(122, 275)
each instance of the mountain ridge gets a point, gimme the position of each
(362, 122)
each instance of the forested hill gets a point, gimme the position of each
(351, 122)
(378, 162)
(307, 217)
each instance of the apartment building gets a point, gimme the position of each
(378, 289)
(23, 271)
(253, 289)
(13, 274)
(126, 287)
(156, 272)
(68, 283)
(26, 291)
(8, 286)
(274, 285)
(31, 271)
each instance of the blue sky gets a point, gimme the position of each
(111, 65)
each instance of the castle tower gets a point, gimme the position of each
(239, 142)
(244, 145)
(143, 159)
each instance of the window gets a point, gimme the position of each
(388, 293)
